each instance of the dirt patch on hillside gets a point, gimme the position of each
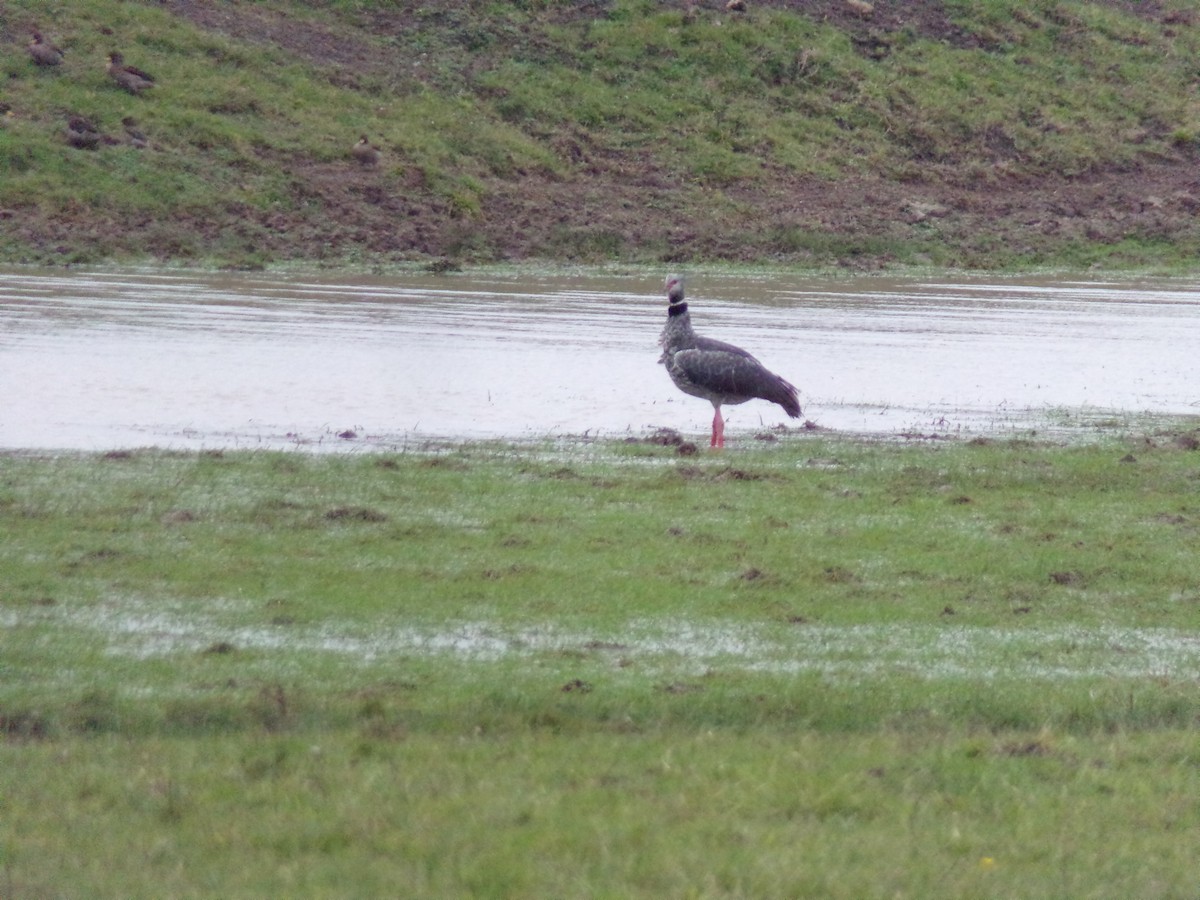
(857, 221)
(861, 224)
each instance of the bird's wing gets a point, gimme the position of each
(723, 371)
(731, 376)
(704, 343)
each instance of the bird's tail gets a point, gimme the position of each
(783, 393)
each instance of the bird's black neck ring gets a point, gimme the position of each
(677, 309)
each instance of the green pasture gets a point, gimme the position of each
(810, 667)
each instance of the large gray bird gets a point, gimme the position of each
(719, 372)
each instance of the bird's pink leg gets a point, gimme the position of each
(718, 432)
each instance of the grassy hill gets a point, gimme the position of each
(976, 133)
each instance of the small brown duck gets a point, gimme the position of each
(44, 53)
(365, 152)
(82, 134)
(131, 79)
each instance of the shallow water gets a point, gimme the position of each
(99, 361)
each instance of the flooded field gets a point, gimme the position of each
(96, 361)
(142, 629)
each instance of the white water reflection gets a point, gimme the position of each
(143, 628)
(103, 360)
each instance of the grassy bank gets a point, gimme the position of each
(990, 135)
(821, 667)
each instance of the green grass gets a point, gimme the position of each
(705, 815)
(822, 667)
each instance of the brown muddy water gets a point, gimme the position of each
(106, 360)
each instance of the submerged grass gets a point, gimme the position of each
(822, 667)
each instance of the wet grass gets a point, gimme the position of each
(818, 667)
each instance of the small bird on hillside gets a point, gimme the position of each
(365, 152)
(718, 372)
(130, 78)
(44, 53)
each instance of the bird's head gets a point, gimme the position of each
(676, 305)
(674, 285)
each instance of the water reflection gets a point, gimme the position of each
(104, 360)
